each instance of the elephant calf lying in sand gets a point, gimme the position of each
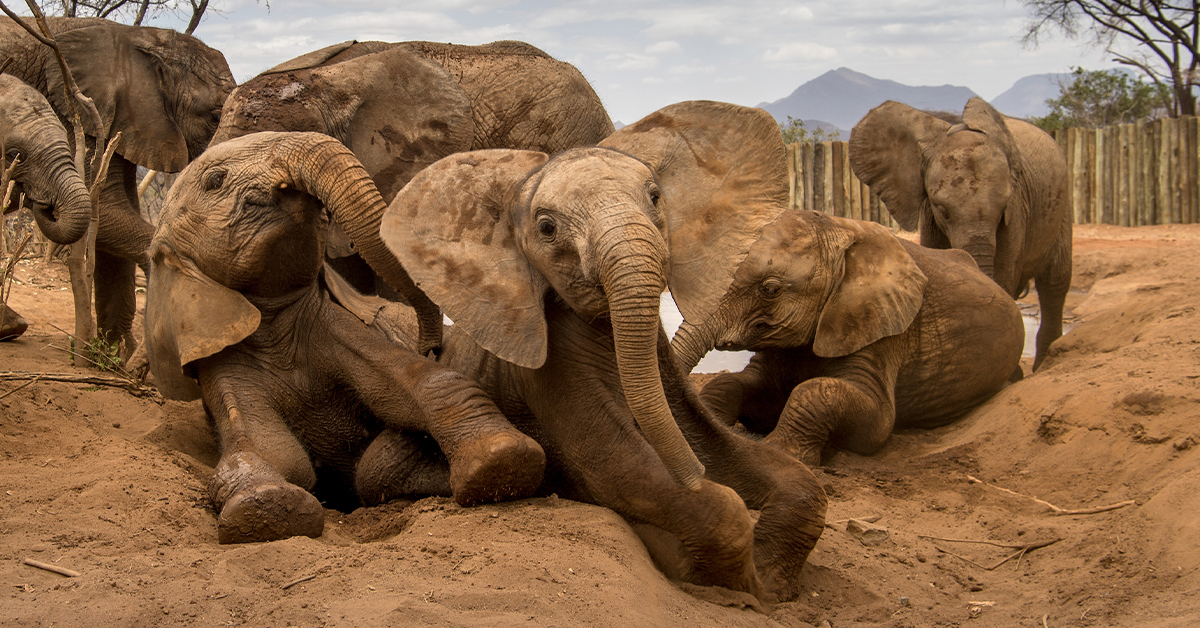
(855, 331)
(294, 382)
(552, 269)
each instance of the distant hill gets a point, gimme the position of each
(1027, 97)
(842, 97)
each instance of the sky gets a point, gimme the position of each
(641, 55)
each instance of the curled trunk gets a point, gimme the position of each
(65, 219)
(325, 168)
(633, 261)
(691, 343)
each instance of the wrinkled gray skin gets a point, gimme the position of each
(32, 135)
(855, 332)
(163, 92)
(552, 270)
(400, 107)
(993, 186)
(240, 313)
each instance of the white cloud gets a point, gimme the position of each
(664, 47)
(799, 52)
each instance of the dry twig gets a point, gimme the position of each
(299, 580)
(1019, 554)
(1055, 510)
(30, 382)
(55, 568)
(94, 380)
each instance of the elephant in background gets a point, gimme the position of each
(993, 186)
(855, 332)
(163, 91)
(552, 269)
(240, 313)
(33, 138)
(400, 107)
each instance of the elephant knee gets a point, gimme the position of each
(397, 464)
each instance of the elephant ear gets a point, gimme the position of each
(722, 172)
(120, 68)
(879, 294)
(311, 59)
(886, 152)
(451, 228)
(980, 116)
(189, 317)
(412, 113)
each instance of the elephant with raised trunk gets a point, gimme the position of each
(993, 186)
(32, 136)
(163, 92)
(552, 269)
(403, 106)
(240, 313)
(855, 332)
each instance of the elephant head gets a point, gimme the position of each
(397, 111)
(243, 229)
(32, 135)
(812, 280)
(674, 200)
(960, 183)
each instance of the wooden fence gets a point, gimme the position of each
(1127, 175)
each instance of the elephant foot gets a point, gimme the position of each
(11, 324)
(499, 466)
(269, 512)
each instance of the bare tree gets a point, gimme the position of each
(132, 11)
(1164, 33)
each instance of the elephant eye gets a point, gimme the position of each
(214, 180)
(770, 289)
(14, 154)
(546, 226)
(654, 196)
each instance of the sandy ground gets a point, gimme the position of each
(112, 486)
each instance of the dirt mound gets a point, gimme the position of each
(112, 486)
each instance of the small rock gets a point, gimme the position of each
(904, 601)
(116, 424)
(867, 533)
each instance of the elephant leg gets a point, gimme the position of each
(790, 501)
(12, 324)
(825, 409)
(1052, 287)
(489, 458)
(755, 396)
(116, 303)
(398, 464)
(261, 483)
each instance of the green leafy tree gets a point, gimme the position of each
(1097, 98)
(794, 132)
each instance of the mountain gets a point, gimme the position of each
(1027, 97)
(842, 97)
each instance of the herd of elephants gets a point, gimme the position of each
(331, 209)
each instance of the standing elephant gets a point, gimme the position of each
(293, 381)
(32, 136)
(993, 186)
(552, 269)
(401, 107)
(855, 332)
(163, 92)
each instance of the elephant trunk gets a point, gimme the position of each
(692, 342)
(632, 266)
(65, 214)
(983, 251)
(325, 168)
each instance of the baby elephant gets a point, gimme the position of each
(855, 331)
(239, 311)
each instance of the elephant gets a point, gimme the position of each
(400, 107)
(163, 92)
(855, 332)
(552, 268)
(33, 138)
(241, 313)
(993, 186)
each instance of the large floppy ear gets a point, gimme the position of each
(311, 59)
(189, 317)
(119, 68)
(451, 228)
(722, 172)
(879, 294)
(980, 116)
(412, 113)
(886, 152)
